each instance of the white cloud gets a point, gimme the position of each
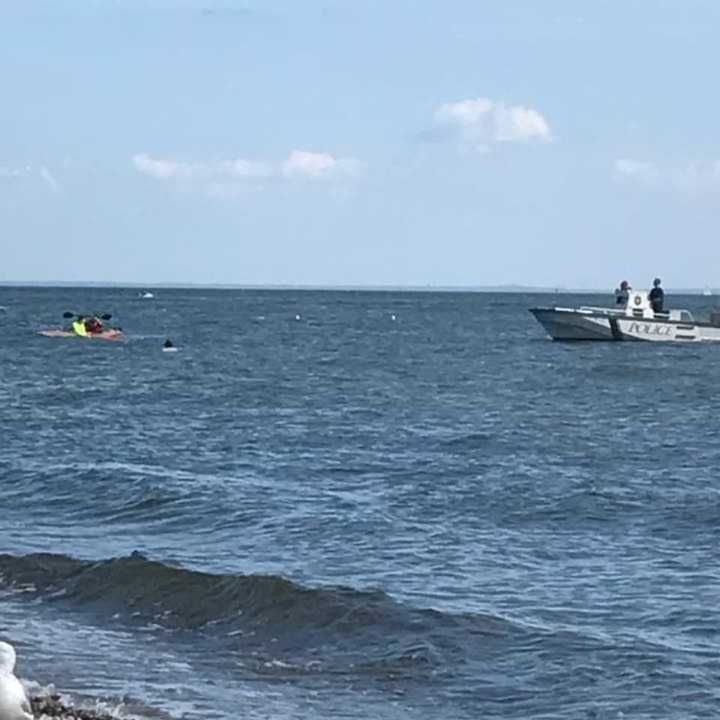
(229, 178)
(308, 164)
(247, 169)
(166, 169)
(304, 164)
(29, 172)
(636, 170)
(689, 178)
(482, 122)
(162, 169)
(47, 176)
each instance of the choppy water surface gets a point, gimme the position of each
(354, 505)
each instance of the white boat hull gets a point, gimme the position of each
(584, 324)
(567, 324)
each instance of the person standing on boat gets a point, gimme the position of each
(656, 296)
(622, 294)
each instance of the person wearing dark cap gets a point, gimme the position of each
(657, 296)
(622, 294)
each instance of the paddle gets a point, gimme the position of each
(69, 315)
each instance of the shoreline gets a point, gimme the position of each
(52, 706)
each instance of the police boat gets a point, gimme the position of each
(634, 321)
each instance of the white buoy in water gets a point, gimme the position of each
(297, 317)
(392, 317)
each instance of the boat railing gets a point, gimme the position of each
(684, 316)
(604, 310)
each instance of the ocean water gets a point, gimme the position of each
(357, 505)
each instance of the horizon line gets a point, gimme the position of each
(508, 288)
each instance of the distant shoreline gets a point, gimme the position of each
(517, 289)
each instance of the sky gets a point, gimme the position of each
(360, 142)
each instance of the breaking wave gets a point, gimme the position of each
(263, 616)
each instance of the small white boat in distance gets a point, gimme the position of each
(146, 295)
(634, 321)
(707, 292)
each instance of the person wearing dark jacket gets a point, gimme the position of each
(657, 296)
(622, 294)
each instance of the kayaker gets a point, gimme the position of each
(168, 343)
(93, 325)
(78, 327)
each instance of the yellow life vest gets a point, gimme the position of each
(79, 328)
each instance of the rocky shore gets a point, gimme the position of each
(50, 706)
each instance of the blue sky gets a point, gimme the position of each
(329, 142)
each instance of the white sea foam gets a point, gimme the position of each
(14, 704)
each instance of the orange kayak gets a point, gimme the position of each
(110, 334)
